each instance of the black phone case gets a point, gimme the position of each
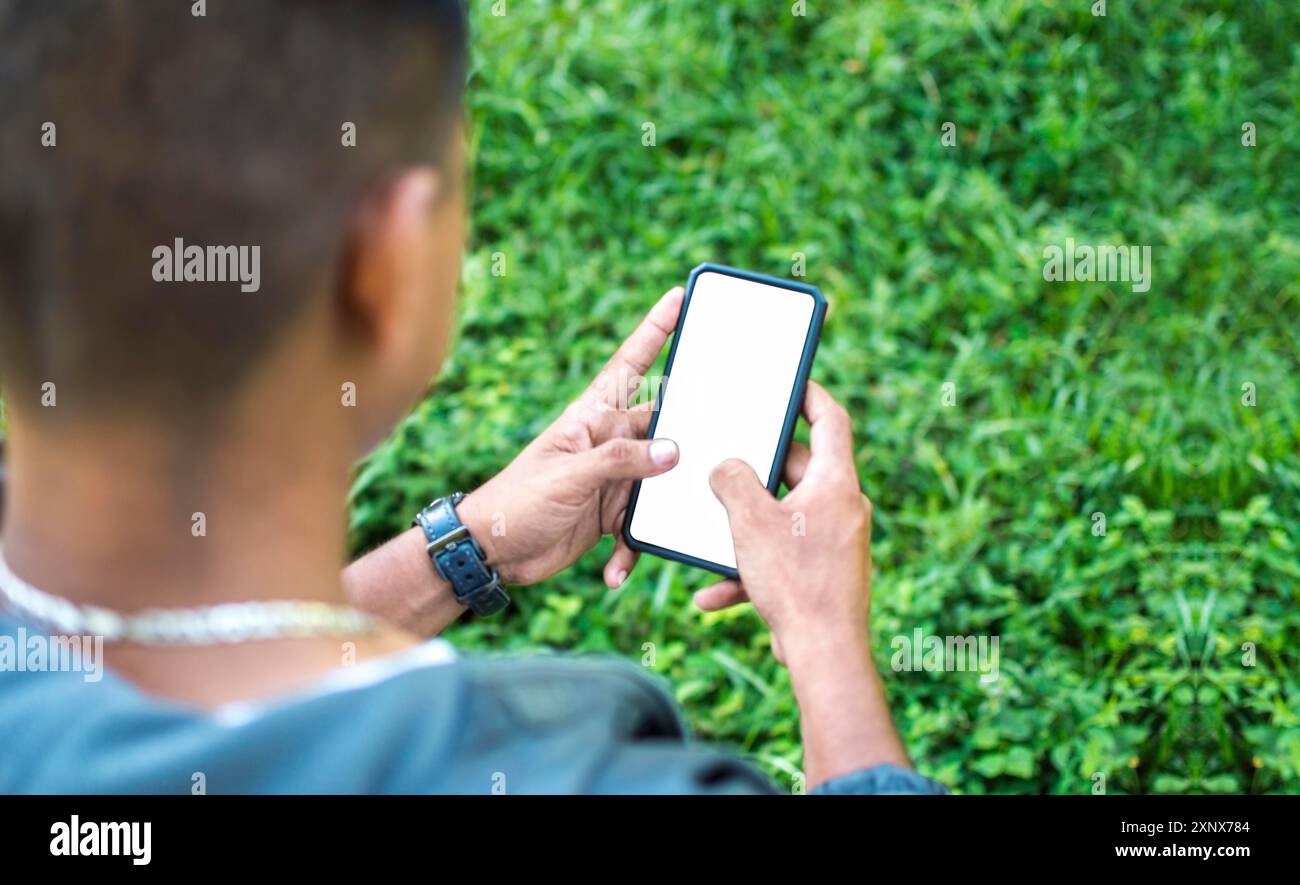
(791, 413)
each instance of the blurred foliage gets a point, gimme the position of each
(820, 134)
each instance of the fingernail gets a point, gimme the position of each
(663, 452)
(620, 577)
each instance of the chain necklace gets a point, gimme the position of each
(204, 625)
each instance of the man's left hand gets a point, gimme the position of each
(569, 486)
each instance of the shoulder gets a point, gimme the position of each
(540, 724)
(550, 724)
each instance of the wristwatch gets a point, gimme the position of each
(459, 559)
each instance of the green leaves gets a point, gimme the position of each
(1121, 652)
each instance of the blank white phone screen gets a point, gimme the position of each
(726, 396)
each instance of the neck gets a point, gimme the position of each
(128, 519)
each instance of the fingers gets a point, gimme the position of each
(831, 434)
(638, 353)
(738, 488)
(723, 594)
(611, 423)
(620, 564)
(639, 419)
(623, 458)
(796, 464)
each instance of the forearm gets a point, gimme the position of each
(398, 583)
(842, 707)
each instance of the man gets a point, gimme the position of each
(210, 227)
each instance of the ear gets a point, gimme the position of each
(384, 253)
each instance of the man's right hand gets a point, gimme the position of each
(805, 563)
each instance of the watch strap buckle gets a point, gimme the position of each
(459, 559)
(437, 545)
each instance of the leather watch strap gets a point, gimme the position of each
(459, 559)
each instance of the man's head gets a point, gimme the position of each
(324, 133)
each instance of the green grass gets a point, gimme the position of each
(1120, 654)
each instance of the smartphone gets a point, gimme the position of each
(734, 386)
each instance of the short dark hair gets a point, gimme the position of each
(221, 129)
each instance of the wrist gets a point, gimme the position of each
(458, 557)
(817, 651)
(480, 523)
(843, 707)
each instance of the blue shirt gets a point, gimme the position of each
(422, 721)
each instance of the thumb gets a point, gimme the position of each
(623, 458)
(738, 488)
